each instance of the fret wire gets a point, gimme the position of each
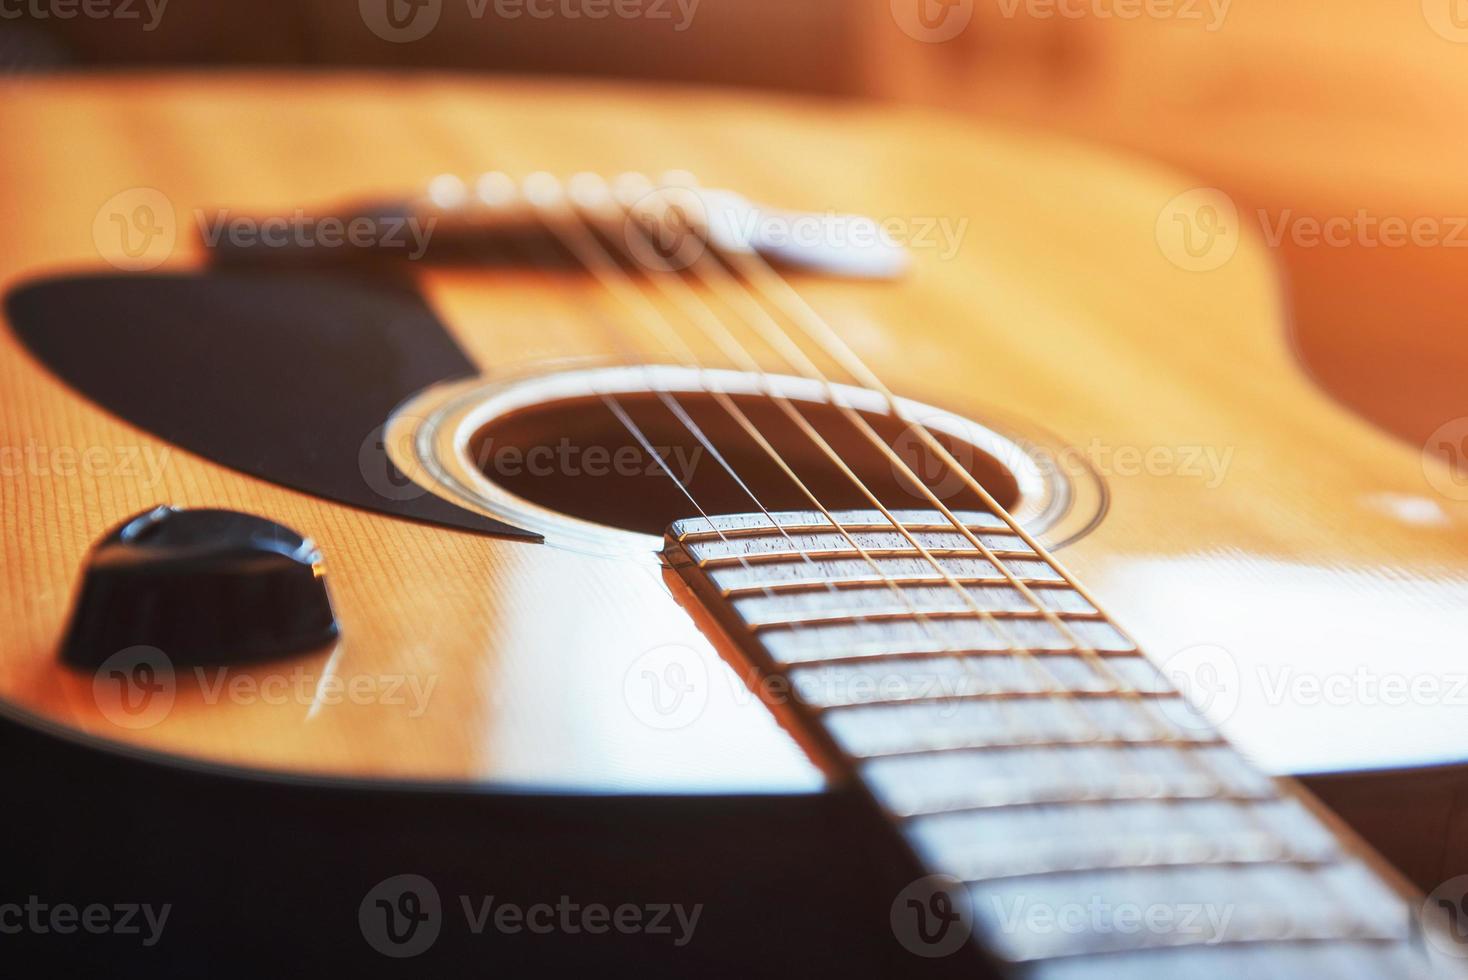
(879, 616)
(1039, 743)
(994, 652)
(1342, 935)
(1304, 864)
(859, 526)
(812, 585)
(981, 696)
(767, 557)
(1085, 801)
(1226, 944)
(1120, 803)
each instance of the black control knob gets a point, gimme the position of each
(207, 587)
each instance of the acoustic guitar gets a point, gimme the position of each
(693, 535)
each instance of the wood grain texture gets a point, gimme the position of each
(1316, 545)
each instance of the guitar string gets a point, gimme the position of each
(778, 292)
(757, 318)
(595, 255)
(503, 189)
(696, 308)
(677, 410)
(934, 446)
(712, 327)
(804, 424)
(754, 315)
(671, 340)
(624, 418)
(717, 278)
(576, 237)
(707, 321)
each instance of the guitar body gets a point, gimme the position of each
(507, 728)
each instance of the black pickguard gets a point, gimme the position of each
(285, 375)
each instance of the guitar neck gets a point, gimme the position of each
(1079, 817)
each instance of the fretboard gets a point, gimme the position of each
(1093, 823)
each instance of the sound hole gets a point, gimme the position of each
(575, 457)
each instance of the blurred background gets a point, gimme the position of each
(1348, 111)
